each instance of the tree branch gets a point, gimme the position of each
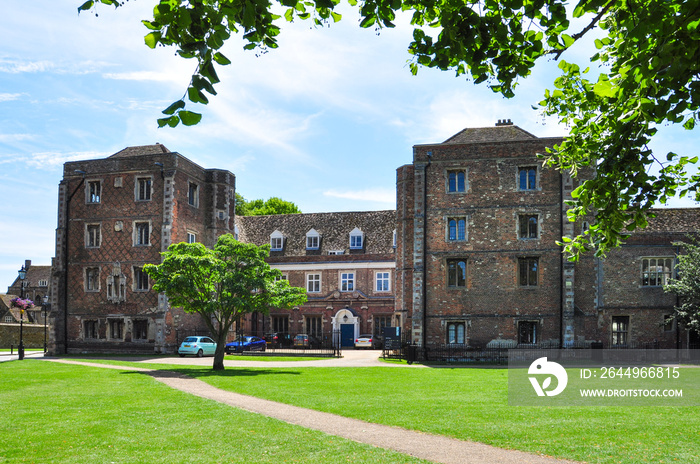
(557, 53)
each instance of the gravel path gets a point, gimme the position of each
(434, 448)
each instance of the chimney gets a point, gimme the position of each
(504, 122)
(27, 263)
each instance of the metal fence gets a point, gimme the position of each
(467, 354)
(287, 344)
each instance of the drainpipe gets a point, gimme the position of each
(425, 264)
(65, 261)
(561, 263)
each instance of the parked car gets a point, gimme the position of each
(306, 341)
(279, 340)
(197, 346)
(249, 343)
(365, 341)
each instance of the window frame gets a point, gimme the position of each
(137, 331)
(452, 333)
(93, 240)
(92, 281)
(357, 235)
(139, 278)
(193, 194)
(385, 277)
(138, 238)
(527, 170)
(315, 279)
(140, 195)
(527, 273)
(91, 329)
(457, 237)
(530, 328)
(347, 281)
(663, 275)
(93, 196)
(622, 332)
(452, 273)
(526, 217)
(453, 187)
(191, 237)
(116, 324)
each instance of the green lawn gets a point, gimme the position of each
(56, 413)
(472, 404)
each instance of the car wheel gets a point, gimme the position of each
(181, 355)
(264, 348)
(200, 353)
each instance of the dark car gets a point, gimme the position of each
(306, 341)
(279, 340)
(242, 344)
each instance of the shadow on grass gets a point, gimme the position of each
(201, 373)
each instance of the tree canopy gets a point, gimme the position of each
(259, 207)
(687, 286)
(649, 61)
(222, 284)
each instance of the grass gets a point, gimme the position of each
(472, 404)
(74, 414)
(245, 357)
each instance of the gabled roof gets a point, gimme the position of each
(141, 150)
(500, 133)
(333, 228)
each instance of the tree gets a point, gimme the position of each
(222, 284)
(687, 286)
(650, 62)
(273, 205)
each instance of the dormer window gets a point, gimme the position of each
(313, 240)
(356, 239)
(276, 241)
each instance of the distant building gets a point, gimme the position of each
(36, 287)
(345, 261)
(469, 257)
(114, 216)
(478, 263)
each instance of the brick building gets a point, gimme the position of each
(115, 215)
(36, 287)
(478, 262)
(346, 263)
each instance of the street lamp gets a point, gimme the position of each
(22, 275)
(46, 308)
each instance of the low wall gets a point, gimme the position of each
(33, 335)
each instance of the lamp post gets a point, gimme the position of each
(22, 275)
(47, 309)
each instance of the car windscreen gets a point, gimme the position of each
(190, 340)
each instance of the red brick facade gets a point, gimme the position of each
(478, 262)
(115, 215)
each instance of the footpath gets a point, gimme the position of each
(426, 446)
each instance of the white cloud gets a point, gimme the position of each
(4, 97)
(144, 76)
(377, 195)
(49, 160)
(8, 138)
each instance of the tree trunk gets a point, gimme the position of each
(220, 351)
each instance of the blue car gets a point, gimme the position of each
(249, 343)
(198, 346)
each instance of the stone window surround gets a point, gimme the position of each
(520, 217)
(457, 219)
(456, 191)
(193, 193)
(135, 279)
(457, 283)
(136, 234)
(89, 183)
(137, 187)
(518, 175)
(97, 239)
(96, 284)
(346, 281)
(524, 260)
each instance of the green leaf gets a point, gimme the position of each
(221, 59)
(190, 118)
(172, 121)
(174, 107)
(86, 6)
(152, 39)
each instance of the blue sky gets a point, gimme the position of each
(323, 121)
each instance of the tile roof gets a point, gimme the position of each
(503, 133)
(141, 150)
(673, 220)
(334, 229)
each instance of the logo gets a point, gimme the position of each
(540, 367)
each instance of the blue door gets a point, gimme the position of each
(347, 335)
